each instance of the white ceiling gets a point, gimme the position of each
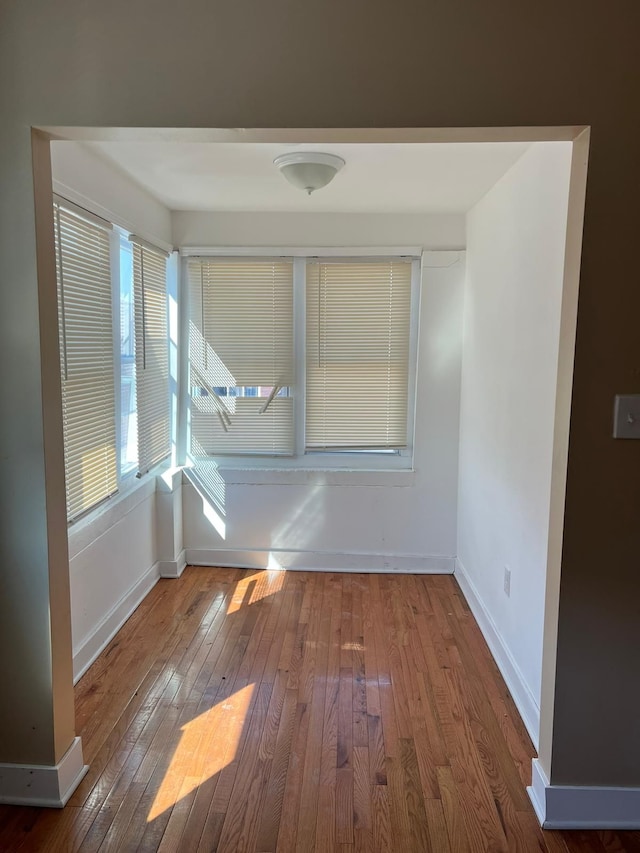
(377, 177)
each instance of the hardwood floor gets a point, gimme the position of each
(255, 711)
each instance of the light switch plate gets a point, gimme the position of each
(626, 417)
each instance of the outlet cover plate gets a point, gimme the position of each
(626, 417)
(507, 581)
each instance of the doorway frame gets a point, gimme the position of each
(577, 135)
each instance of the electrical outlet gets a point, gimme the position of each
(507, 581)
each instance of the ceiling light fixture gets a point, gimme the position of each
(307, 170)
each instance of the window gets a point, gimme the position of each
(357, 332)
(349, 322)
(86, 358)
(241, 356)
(113, 355)
(152, 354)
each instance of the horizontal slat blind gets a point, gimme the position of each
(240, 336)
(152, 355)
(86, 356)
(357, 330)
(248, 432)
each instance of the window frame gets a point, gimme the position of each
(126, 478)
(141, 459)
(316, 460)
(191, 277)
(127, 481)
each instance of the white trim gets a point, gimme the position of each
(173, 568)
(299, 354)
(152, 247)
(175, 342)
(302, 251)
(69, 194)
(107, 628)
(169, 481)
(320, 561)
(561, 429)
(270, 476)
(578, 807)
(537, 789)
(82, 212)
(183, 414)
(116, 336)
(520, 692)
(43, 785)
(414, 347)
(321, 461)
(317, 136)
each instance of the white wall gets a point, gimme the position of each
(351, 520)
(442, 231)
(85, 178)
(114, 554)
(515, 257)
(112, 565)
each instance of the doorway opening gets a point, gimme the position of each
(496, 215)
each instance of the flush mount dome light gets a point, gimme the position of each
(309, 171)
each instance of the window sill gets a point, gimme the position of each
(315, 477)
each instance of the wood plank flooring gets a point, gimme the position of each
(256, 711)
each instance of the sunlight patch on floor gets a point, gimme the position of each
(207, 745)
(255, 587)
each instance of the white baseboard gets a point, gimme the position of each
(574, 807)
(173, 568)
(320, 561)
(37, 785)
(537, 790)
(104, 632)
(522, 696)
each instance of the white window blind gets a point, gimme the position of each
(152, 354)
(86, 356)
(241, 355)
(357, 332)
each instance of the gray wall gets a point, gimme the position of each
(347, 63)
